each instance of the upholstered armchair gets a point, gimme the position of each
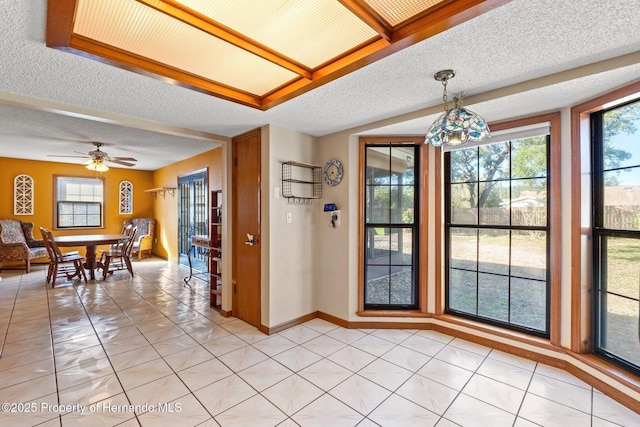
(142, 244)
(18, 244)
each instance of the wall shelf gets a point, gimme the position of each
(161, 191)
(301, 181)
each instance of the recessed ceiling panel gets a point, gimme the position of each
(259, 53)
(133, 27)
(398, 11)
(310, 32)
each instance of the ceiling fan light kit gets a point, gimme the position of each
(97, 165)
(456, 126)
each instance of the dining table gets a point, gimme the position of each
(91, 242)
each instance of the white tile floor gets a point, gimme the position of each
(149, 351)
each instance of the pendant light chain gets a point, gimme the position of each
(444, 94)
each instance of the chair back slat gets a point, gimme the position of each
(45, 238)
(128, 247)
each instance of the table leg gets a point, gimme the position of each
(91, 261)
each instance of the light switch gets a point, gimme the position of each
(289, 217)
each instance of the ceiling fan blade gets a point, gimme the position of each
(62, 155)
(120, 162)
(126, 159)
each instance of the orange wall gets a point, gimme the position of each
(166, 209)
(42, 174)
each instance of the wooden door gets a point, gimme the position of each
(246, 221)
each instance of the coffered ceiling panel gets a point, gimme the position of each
(256, 53)
(299, 30)
(143, 31)
(398, 11)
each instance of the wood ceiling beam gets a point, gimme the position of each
(214, 28)
(441, 18)
(369, 16)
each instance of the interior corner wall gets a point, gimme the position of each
(289, 268)
(335, 266)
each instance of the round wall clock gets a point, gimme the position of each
(333, 172)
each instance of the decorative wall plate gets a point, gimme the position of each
(333, 172)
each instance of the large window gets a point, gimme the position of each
(390, 228)
(497, 233)
(79, 202)
(616, 233)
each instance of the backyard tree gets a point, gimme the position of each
(478, 168)
(619, 121)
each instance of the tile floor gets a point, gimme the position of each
(148, 351)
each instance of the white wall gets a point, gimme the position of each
(336, 269)
(288, 265)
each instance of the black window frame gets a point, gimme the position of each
(511, 227)
(414, 226)
(600, 234)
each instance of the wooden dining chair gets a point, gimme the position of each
(69, 264)
(120, 257)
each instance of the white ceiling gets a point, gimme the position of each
(525, 57)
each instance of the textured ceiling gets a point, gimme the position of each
(525, 57)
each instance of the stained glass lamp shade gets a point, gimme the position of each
(456, 126)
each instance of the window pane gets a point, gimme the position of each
(529, 157)
(378, 245)
(463, 248)
(529, 254)
(377, 286)
(401, 246)
(529, 203)
(464, 199)
(620, 130)
(402, 164)
(494, 203)
(623, 266)
(529, 303)
(494, 161)
(378, 160)
(464, 165)
(407, 204)
(619, 327)
(493, 251)
(462, 290)
(401, 285)
(493, 296)
(380, 204)
(621, 208)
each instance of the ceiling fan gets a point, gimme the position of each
(98, 156)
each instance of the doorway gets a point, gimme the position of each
(192, 217)
(246, 227)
